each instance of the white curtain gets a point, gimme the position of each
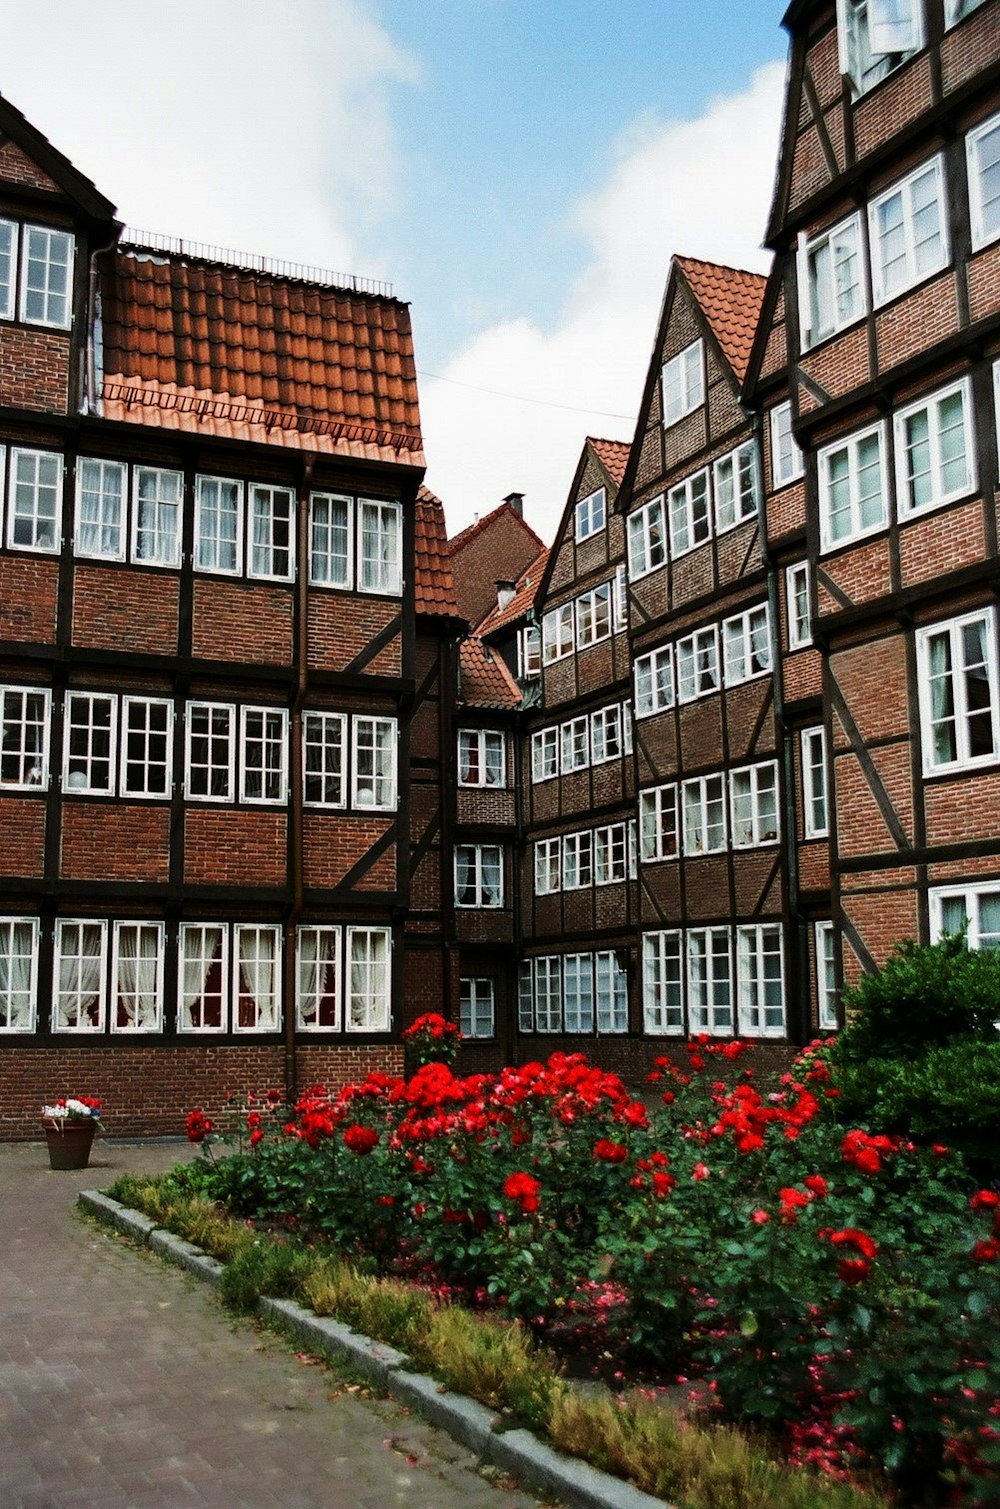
(465, 893)
(17, 945)
(257, 977)
(79, 999)
(310, 987)
(201, 946)
(138, 978)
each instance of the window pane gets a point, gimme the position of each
(203, 986)
(158, 497)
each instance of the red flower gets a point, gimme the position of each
(750, 1142)
(360, 1139)
(524, 1189)
(984, 1199)
(606, 1151)
(792, 1201)
(853, 1271)
(662, 1183)
(760, 1217)
(256, 1136)
(817, 1184)
(986, 1251)
(198, 1126)
(253, 1121)
(850, 1236)
(700, 1171)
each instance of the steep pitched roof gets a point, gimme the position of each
(525, 592)
(485, 679)
(730, 300)
(433, 580)
(467, 535)
(613, 456)
(23, 137)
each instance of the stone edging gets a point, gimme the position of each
(536, 1465)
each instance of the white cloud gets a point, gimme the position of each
(701, 188)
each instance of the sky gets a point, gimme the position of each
(520, 170)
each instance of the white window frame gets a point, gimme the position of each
(590, 514)
(146, 792)
(984, 231)
(477, 880)
(225, 980)
(663, 973)
(752, 825)
(331, 774)
(557, 634)
(477, 1007)
(165, 508)
(619, 599)
(105, 495)
(685, 374)
(11, 1019)
(273, 737)
(931, 406)
(369, 1010)
(210, 560)
(36, 517)
(787, 464)
(689, 513)
(698, 797)
(957, 10)
(87, 786)
(544, 755)
(912, 275)
(611, 854)
(593, 616)
(798, 586)
(752, 953)
(268, 1020)
(610, 994)
(481, 741)
(959, 699)
(323, 576)
(263, 503)
(606, 742)
(547, 987)
(154, 1021)
(381, 575)
(62, 930)
(870, 49)
(736, 486)
(970, 895)
(659, 835)
(574, 745)
(647, 538)
(815, 783)
(857, 529)
(743, 637)
(382, 780)
(709, 977)
(578, 861)
(696, 658)
(654, 691)
(825, 947)
(578, 993)
(821, 260)
(8, 696)
(329, 945)
(54, 318)
(529, 652)
(8, 260)
(548, 866)
(228, 712)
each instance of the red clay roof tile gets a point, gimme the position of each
(485, 679)
(731, 300)
(523, 599)
(613, 456)
(433, 581)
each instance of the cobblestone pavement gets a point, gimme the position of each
(123, 1384)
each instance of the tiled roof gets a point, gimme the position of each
(466, 535)
(523, 599)
(193, 344)
(486, 681)
(434, 583)
(613, 455)
(731, 301)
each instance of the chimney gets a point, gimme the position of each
(516, 502)
(505, 592)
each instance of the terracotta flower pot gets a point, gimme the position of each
(69, 1143)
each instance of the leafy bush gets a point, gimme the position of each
(949, 1095)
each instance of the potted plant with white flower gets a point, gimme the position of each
(70, 1125)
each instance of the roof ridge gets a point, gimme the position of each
(460, 540)
(744, 272)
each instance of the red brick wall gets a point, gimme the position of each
(333, 843)
(230, 846)
(22, 836)
(125, 610)
(341, 626)
(28, 588)
(237, 621)
(34, 369)
(17, 167)
(103, 841)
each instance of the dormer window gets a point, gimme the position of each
(876, 36)
(590, 513)
(44, 294)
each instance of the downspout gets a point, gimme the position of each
(295, 809)
(447, 683)
(90, 375)
(512, 1034)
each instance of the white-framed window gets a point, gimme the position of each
(578, 992)
(760, 980)
(852, 498)
(210, 752)
(577, 861)
(157, 498)
(704, 804)
(654, 681)
(331, 523)
(825, 944)
(647, 540)
(271, 553)
(529, 652)
(218, 525)
(318, 996)
(786, 457)
(228, 984)
(606, 734)
(147, 747)
(380, 552)
(662, 984)
(797, 605)
(683, 383)
(481, 759)
(547, 972)
(81, 976)
(969, 910)
(593, 616)
(688, 509)
(982, 147)
(627, 727)
(34, 513)
(574, 740)
(100, 509)
(24, 738)
(611, 990)
(525, 997)
(753, 800)
(90, 743)
(734, 479)
(815, 795)
(544, 754)
(368, 991)
(876, 36)
(478, 875)
(658, 823)
(203, 977)
(697, 664)
(373, 773)
(256, 977)
(8, 268)
(956, 10)
(263, 765)
(831, 286)
(477, 1007)
(324, 739)
(746, 645)
(557, 634)
(710, 980)
(548, 853)
(590, 514)
(18, 973)
(908, 231)
(959, 693)
(137, 977)
(610, 854)
(935, 456)
(46, 277)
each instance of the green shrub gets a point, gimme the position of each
(951, 1095)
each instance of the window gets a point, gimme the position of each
(218, 525)
(753, 797)
(324, 737)
(786, 458)
(80, 984)
(263, 739)
(955, 10)
(683, 383)
(380, 554)
(658, 823)
(24, 739)
(972, 910)
(577, 861)
(18, 973)
(704, 803)
(547, 871)
(478, 875)
(548, 993)
(100, 510)
(33, 521)
(147, 748)
(735, 483)
(797, 605)
(605, 735)
(698, 664)
(662, 1002)
(687, 504)
(318, 996)
(46, 277)
(746, 641)
(271, 554)
(330, 521)
(480, 757)
(851, 497)
(957, 678)
(654, 682)
(211, 752)
(529, 652)
(574, 742)
(619, 598)
(228, 985)
(203, 991)
(908, 231)
(814, 785)
(760, 980)
(627, 727)
(611, 985)
(826, 976)
(982, 147)
(256, 960)
(610, 854)
(557, 633)
(647, 544)
(934, 452)
(876, 36)
(525, 998)
(8, 260)
(476, 1008)
(710, 980)
(578, 992)
(137, 977)
(368, 989)
(374, 775)
(90, 743)
(593, 616)
(590, 514)
(831, 292)
(156, 538)
(544, 754)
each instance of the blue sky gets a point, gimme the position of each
(520, 171)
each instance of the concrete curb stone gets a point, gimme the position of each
(466, 1419)
(131, 1222)
(372, 1360)
(186, 1255)
(575, 1483)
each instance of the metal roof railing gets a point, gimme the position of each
(154, 241)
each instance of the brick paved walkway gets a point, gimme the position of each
(123, 1385)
